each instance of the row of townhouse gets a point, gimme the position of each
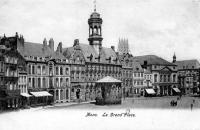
(188, 75)
(154, 75)
(40, 75)
(32, 73)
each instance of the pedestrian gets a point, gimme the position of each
(191, 106)
(193, 100)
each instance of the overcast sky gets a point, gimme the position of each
(159, 27)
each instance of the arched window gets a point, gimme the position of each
(174, 78)
(61, 71)
(51, 68)
(61, 82)
(155, 78)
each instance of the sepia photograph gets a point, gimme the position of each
(99, 64)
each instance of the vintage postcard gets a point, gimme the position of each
(99, 64)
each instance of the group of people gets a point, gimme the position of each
(173, 103)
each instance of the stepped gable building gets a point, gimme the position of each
(164, 74)
(138, 79)
(48, 71)
(12, 64)
(126, 60)
(91, 62)
(188, 75)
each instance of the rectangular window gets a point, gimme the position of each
(33, 69)
(43, 70)
(67, 71)
(155, 78)
(61, 71)
(39, 70)
(67, 81)
(44, 83)
(33, 83)
(39, 83)
(56, 70)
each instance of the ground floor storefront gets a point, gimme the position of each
(60, 95)
(82, 91)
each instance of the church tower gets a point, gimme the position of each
(95, 32)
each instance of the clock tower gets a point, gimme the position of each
(95, 32)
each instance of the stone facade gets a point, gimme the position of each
(188, 75)
(164, 74)
(11, 65)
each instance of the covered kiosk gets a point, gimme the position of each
(108, 91)
(25, 97)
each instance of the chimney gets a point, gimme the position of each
(113, 47)
(44, 44)
(76, 42)
(59, 48)
(16, 35)
(51, 44)
(145, 64)
(20, 42)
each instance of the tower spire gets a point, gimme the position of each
(95, 6)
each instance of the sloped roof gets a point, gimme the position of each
(108, 79)
(88, 50)
(188, 64)
(35, 49)
(137, 67)
(153, 60)
(67, 52)
(57, 55)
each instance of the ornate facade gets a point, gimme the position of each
(165, 79)
(47, 70)
(91, 62)
(12, 64)
(126, 60)
(188, 75)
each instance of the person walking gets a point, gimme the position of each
(191, 106)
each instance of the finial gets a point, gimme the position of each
(95, 5)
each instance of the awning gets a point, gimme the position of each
(41, 94)
(150, 91)
(176, 90)
(25, 95)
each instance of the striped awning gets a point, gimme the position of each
(176, 90)
(25, 95)
(150, 91)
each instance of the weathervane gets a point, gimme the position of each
(95, 5)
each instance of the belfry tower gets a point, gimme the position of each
(95, 32)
